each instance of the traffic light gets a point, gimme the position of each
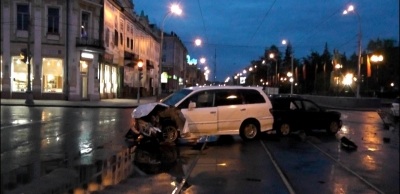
(140, 75)
(24, 55)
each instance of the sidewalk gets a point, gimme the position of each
(103, 103)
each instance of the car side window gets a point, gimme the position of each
(202, 99)
(309, 106)
(293, 106)
(228, 97)
(296, 105)
(252, 96)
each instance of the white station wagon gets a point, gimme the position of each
(223, 110)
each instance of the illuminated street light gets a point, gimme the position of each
(291, 62)
(272, 56)
(174, 9)
(376, 58)
(348, 10)
(140, 68)
(202, 60)
(197, 42)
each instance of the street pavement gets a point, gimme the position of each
(103, 103)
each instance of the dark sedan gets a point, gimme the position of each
(292, 113)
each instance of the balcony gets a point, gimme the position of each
(90, 43)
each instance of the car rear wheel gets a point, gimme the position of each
(249, 130)
(170, 134)
(333, 127)
(284, 129)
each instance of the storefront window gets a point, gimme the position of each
(52, 75)
(19, 74)
(107, 78)
(114, 79)
(101, 80)
(1, 73)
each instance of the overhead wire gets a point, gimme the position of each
(262, 21)
(202, 19)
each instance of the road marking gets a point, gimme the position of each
(283, 177)
(346, 168)
(179, 187)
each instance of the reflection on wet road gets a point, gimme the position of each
(36, 141)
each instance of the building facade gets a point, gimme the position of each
(174, 63)
(76, 50)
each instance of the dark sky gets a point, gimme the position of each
(235, 32)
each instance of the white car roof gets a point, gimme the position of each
(199, 88)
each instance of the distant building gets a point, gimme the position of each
(174, 63)
(78, 49)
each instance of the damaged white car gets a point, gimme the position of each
(222, 110)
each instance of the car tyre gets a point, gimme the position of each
(333, 127)
(284, 129)
(170, 133)
(249, 130)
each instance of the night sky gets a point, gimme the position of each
(235, 32)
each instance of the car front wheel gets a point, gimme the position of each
(333, 127)
(170, 134)
(249, 130)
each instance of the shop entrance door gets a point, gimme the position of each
(84, 87)
(84, 80)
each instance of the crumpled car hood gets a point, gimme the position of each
(145, 109)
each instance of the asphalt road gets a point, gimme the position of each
(35, 141)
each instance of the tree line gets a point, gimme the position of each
(323, 74)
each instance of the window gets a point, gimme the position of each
(131, 43)
(19, 74)
(127, 42)
(252, 97)
(309, 106)
(53, 16)
(22, 17)
(228, 97)
(115, 38)
(122, 41)
(52, 80)
(202, 99)
(85, 18)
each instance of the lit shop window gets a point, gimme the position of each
(101, 79)
(114, 79)
(1, 73)
(107, 79)
(19, 75)
(52, 80)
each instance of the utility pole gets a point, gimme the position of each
(215, 65)
(29, 95)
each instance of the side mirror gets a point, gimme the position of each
(192, 105)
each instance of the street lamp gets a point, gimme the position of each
(272, 56)
(291, 62)
(376, 59)
(351, 9)
(140, 68)
(174, 9)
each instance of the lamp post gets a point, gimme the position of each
(29, 95)
(351, 9)
(272, 56)
(174, 9)
(140, 75)
(291, 63)
(376, 59)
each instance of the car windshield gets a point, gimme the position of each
(176, 97)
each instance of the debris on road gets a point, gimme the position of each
(347, 143)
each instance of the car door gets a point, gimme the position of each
(296, 114)
(202, 119)
(314, 116)
(231, 110)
